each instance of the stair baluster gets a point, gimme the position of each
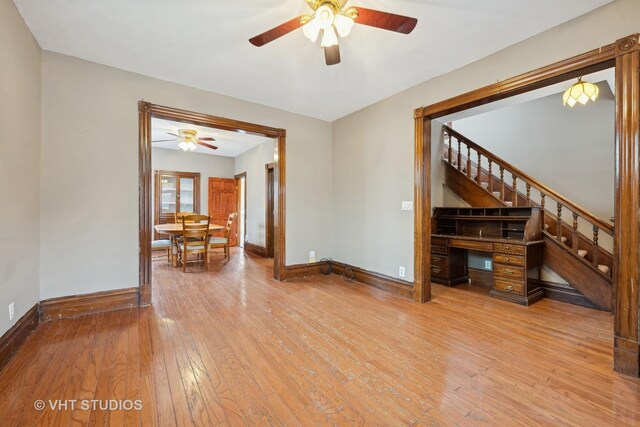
(459, 155)
(514, 192)
(468, 161)
(502, 196)
(450, 151)
(479, 171)
(596, 249)
(559, 224)
(528, 194)
(544, 215)
(490, 176)
(574, 234)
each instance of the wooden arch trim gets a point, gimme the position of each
(624, 55)
(147, 111)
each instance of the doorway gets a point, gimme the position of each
(148, 111)
(241, 198)
(270, 202)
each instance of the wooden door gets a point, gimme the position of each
(222, 202)
(270, 219)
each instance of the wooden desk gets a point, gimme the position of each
(511, 235)
(174, 230)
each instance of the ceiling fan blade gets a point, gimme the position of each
(277, 32)
(174, 134)
(204, 144)
(163, 140)
(386, 21)
(332, 55)
(206, 139)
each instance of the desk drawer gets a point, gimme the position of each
(439, 265)
(507, 286)
(438, 241)
(510, 272)
(508, 259)
(439, 250)
(508, 248)
(471, 244)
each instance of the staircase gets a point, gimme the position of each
(572, 235)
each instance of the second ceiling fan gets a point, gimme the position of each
(332, 21)
(188, 140)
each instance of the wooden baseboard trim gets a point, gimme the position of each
(255, 249)
(13, 339)
(377, 280)
(565, 293)
(80, 305)
(303, 270)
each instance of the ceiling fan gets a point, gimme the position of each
(189, 140)
(329, 18)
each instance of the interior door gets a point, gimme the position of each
(222, 202)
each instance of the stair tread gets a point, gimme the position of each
(582, 253)
(604, 268)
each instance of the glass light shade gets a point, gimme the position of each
(581, 92)
(329, 38)
(343, 24)
(325, 16)
(312, 29)
(183, 146)
(191, 146)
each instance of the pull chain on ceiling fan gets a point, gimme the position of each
(189, 140)
(332, 21)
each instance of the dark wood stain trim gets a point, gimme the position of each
(377, 280)
(148, 110)
(422, 210)
(624, 54)
(80, 305)
(255, 249)
(13, 339)
(269, 219)
(566, 293)
(241, 239)
(297, 271)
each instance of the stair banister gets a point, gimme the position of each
(517, 173)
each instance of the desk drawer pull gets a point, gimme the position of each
(508, 288)
(508, 271)
(436, 270)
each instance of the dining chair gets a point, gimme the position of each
(223, 242)
(162, 245)
(195, 233)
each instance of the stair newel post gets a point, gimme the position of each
(450, 150)
(468, 162)
(514, 193)
(559, 224)
(596, 248)
(528, 194)
(479, 169)
(490, 188)
(501, 183)
(574, 234)
(459, 154)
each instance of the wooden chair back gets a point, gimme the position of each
(195, 237)
(179, 216)
(229, 226)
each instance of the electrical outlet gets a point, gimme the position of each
(407, 206)
(487, 264)
(11, 313)
(401, 271)
(312, 256)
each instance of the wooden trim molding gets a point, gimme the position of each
(255, 249)
(377, 280)
(298, 271)
(13, 339)
(565, 293)
(146, 111)
(624, 54)
(80, 305)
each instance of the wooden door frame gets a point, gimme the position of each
(267, 220)
(244, 217)
(147, 111)
(624, 55)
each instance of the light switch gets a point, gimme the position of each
(407, 206)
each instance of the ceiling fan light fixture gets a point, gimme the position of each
(183, 146)
(581, 92)
(312, 29)
(191, 146)
(329, 38)
(325, 16)
(343, 24)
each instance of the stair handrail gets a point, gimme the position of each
(543, 189)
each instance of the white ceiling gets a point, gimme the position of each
(230, 144)
(204, 44)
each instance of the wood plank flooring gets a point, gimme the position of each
(234, 347)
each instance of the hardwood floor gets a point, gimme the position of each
(235, 347)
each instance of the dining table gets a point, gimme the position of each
(175, 230)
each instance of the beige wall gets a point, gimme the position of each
(19, 165)
(205, 164)
(252, 162)
(89, 198)
(373, 148)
